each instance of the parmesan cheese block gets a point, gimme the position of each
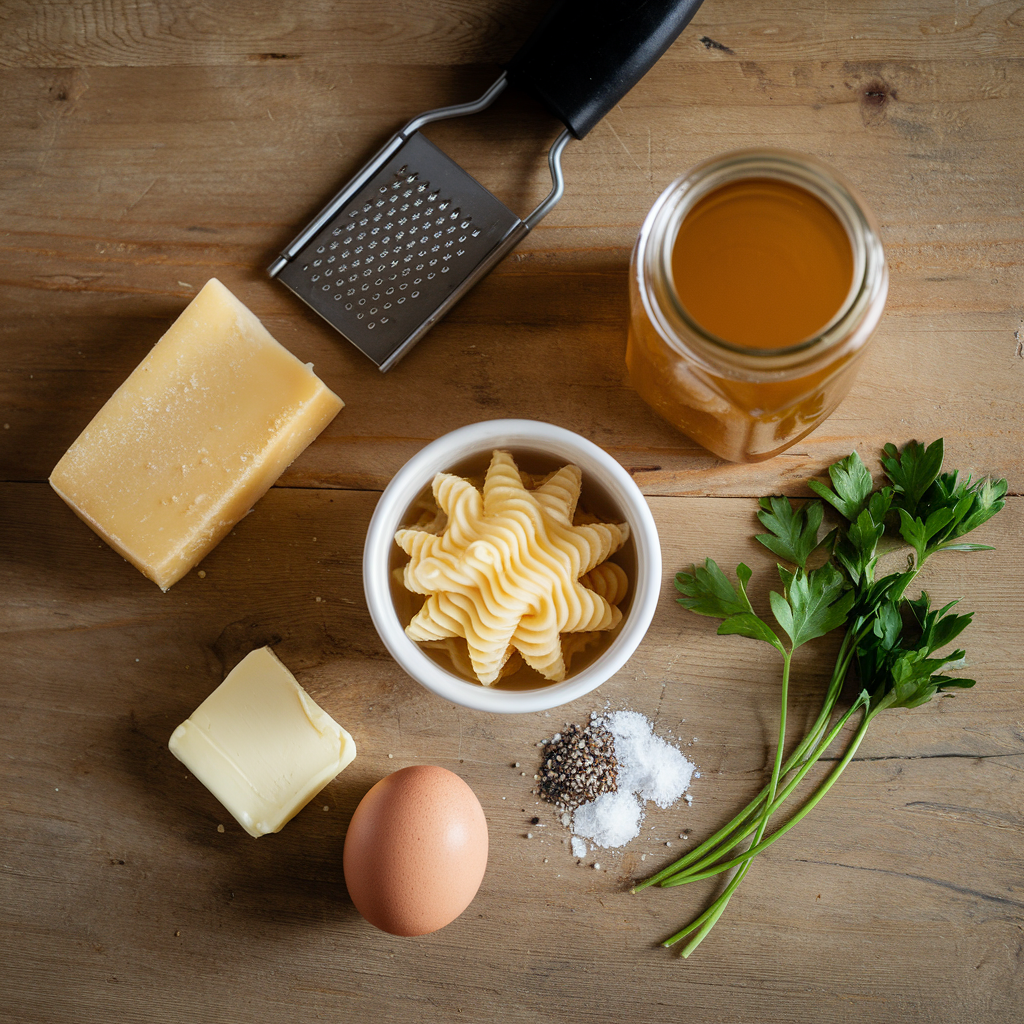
(193, 438)
(261, 745)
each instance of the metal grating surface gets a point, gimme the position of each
(399, 248)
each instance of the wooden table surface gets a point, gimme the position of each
(147, 147)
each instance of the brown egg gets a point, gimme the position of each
(416, 850)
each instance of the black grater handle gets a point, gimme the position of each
(587, 54)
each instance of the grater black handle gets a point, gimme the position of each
(587, 54)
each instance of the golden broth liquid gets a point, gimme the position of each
(594, 500)
(761, 264)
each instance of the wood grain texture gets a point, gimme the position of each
(145, 147)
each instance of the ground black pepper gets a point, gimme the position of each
(578, 765)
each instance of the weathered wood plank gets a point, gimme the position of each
(60, 33)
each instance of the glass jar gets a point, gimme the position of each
(748, 404)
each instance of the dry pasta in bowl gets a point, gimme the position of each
(511, 565)
(511, 570)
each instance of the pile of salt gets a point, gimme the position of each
(649, 769)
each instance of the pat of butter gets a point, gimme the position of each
(193, 438)
(261, 745)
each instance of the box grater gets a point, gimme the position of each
(413, 231)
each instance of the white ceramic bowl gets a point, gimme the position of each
(600, 471)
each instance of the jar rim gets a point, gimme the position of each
(662, 224)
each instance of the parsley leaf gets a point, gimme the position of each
(852, 486)
(912, 471)
(794, 531)
(813, 603)
(707, 591)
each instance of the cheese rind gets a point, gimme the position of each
(261, 745)
(193, 438)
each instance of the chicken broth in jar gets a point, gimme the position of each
(756, 282)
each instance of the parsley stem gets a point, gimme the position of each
(718, 907)
(795, 760)
(761, 845)
(689, 873)
(715, 910)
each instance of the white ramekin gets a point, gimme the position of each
(524, 435)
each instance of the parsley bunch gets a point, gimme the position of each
(890, 645)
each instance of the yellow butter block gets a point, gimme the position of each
(193, 438)
(261, 745)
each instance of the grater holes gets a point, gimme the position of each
(389, 248)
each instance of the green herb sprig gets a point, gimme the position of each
(890, 645)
